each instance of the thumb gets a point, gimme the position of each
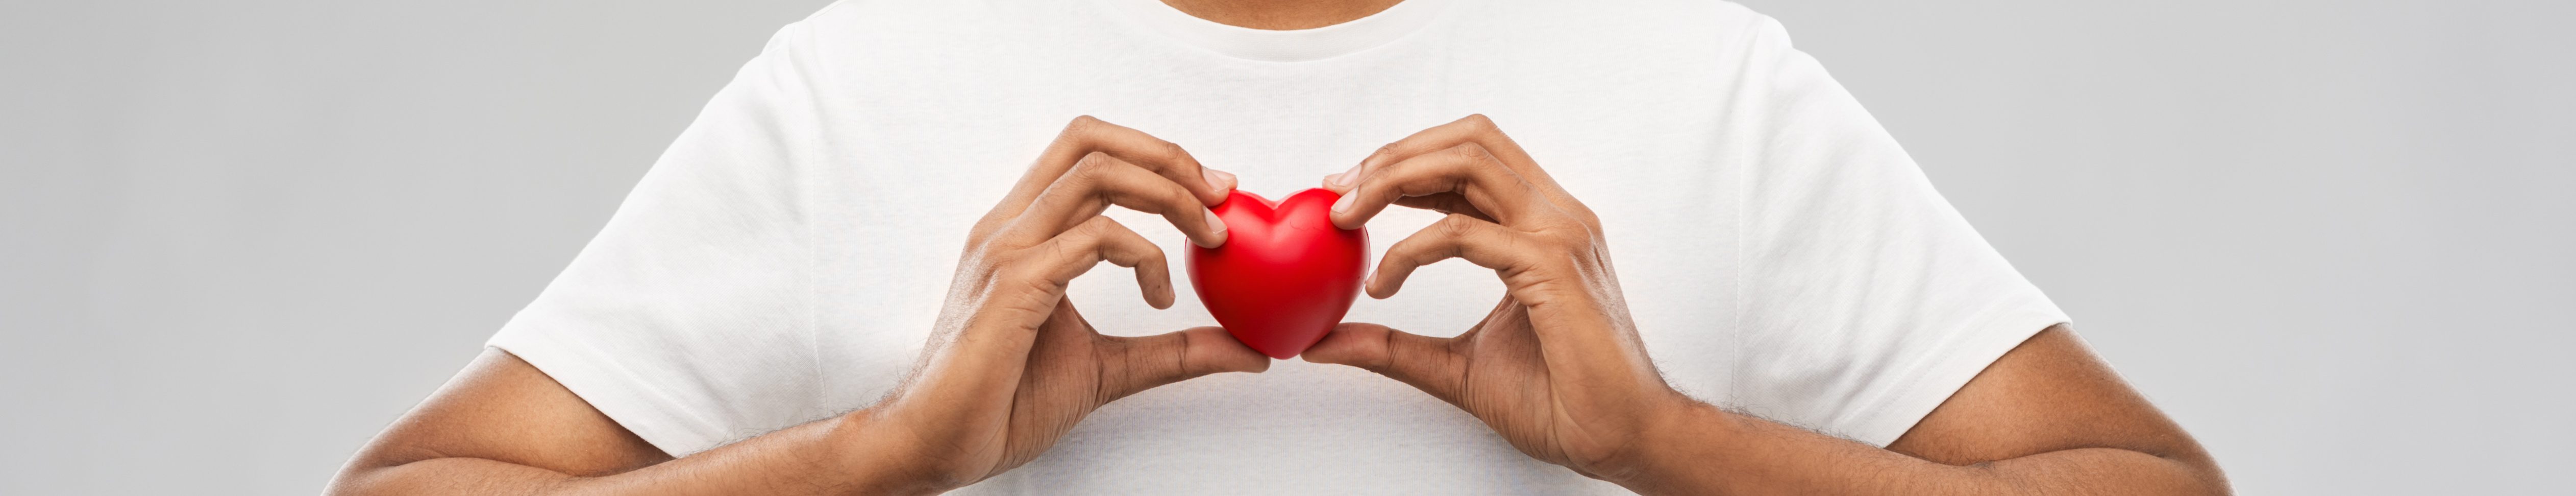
(1132, 365)
(1427, 363)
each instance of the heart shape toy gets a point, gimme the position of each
(1285, 275)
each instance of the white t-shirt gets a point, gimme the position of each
(784, 260)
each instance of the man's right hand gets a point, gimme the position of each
(1010, 368)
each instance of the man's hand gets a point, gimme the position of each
(1010, 368)
(1558, 370)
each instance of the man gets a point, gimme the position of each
(1799, 312)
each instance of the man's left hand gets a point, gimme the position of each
(1557, 367)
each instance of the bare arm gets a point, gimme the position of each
(1010, 368)
(1558, 369)
(503, 427)
(2047, 418)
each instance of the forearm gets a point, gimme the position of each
(1708, 451)
(833, 456)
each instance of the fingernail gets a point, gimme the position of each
(1344, 205)
(1346, 177)
(1217, 179)
(1216, 229)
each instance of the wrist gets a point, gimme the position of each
(867, 453)
(1676, 442)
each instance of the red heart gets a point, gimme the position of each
(1285, 275)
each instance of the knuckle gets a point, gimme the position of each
(1457, 226)
(983, 230)
(1113, 232)
(1089, 165)
(1102, 224)
(1073, 252)
(1173, 154)
(1082, 123)
(1479, 122)
(1090, 172)
(1089, 231)
(999, 272)
(1070, 255)
(983, 248)
(1379, 361)
(1473, 153)
(1136, 252)
(1076, 130)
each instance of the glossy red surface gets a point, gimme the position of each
(1285, 275)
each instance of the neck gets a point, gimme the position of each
(1280, 14)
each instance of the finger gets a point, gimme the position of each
(1427, 363)
(1486, 244)
(1132, 365)
(1069, 255)
(1099, 181)
(1466, 170)
(1444, 203)
(1087, 135)
(1476, 129)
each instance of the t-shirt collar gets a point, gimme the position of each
(1281, 46)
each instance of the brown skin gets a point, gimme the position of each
(1280, 14)
(1010, 367)
(1556, 369)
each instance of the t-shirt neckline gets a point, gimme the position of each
(1298, 45)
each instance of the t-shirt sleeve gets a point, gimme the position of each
(1867, 298)
(687, 319)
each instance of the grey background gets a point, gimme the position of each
(2332, 238)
